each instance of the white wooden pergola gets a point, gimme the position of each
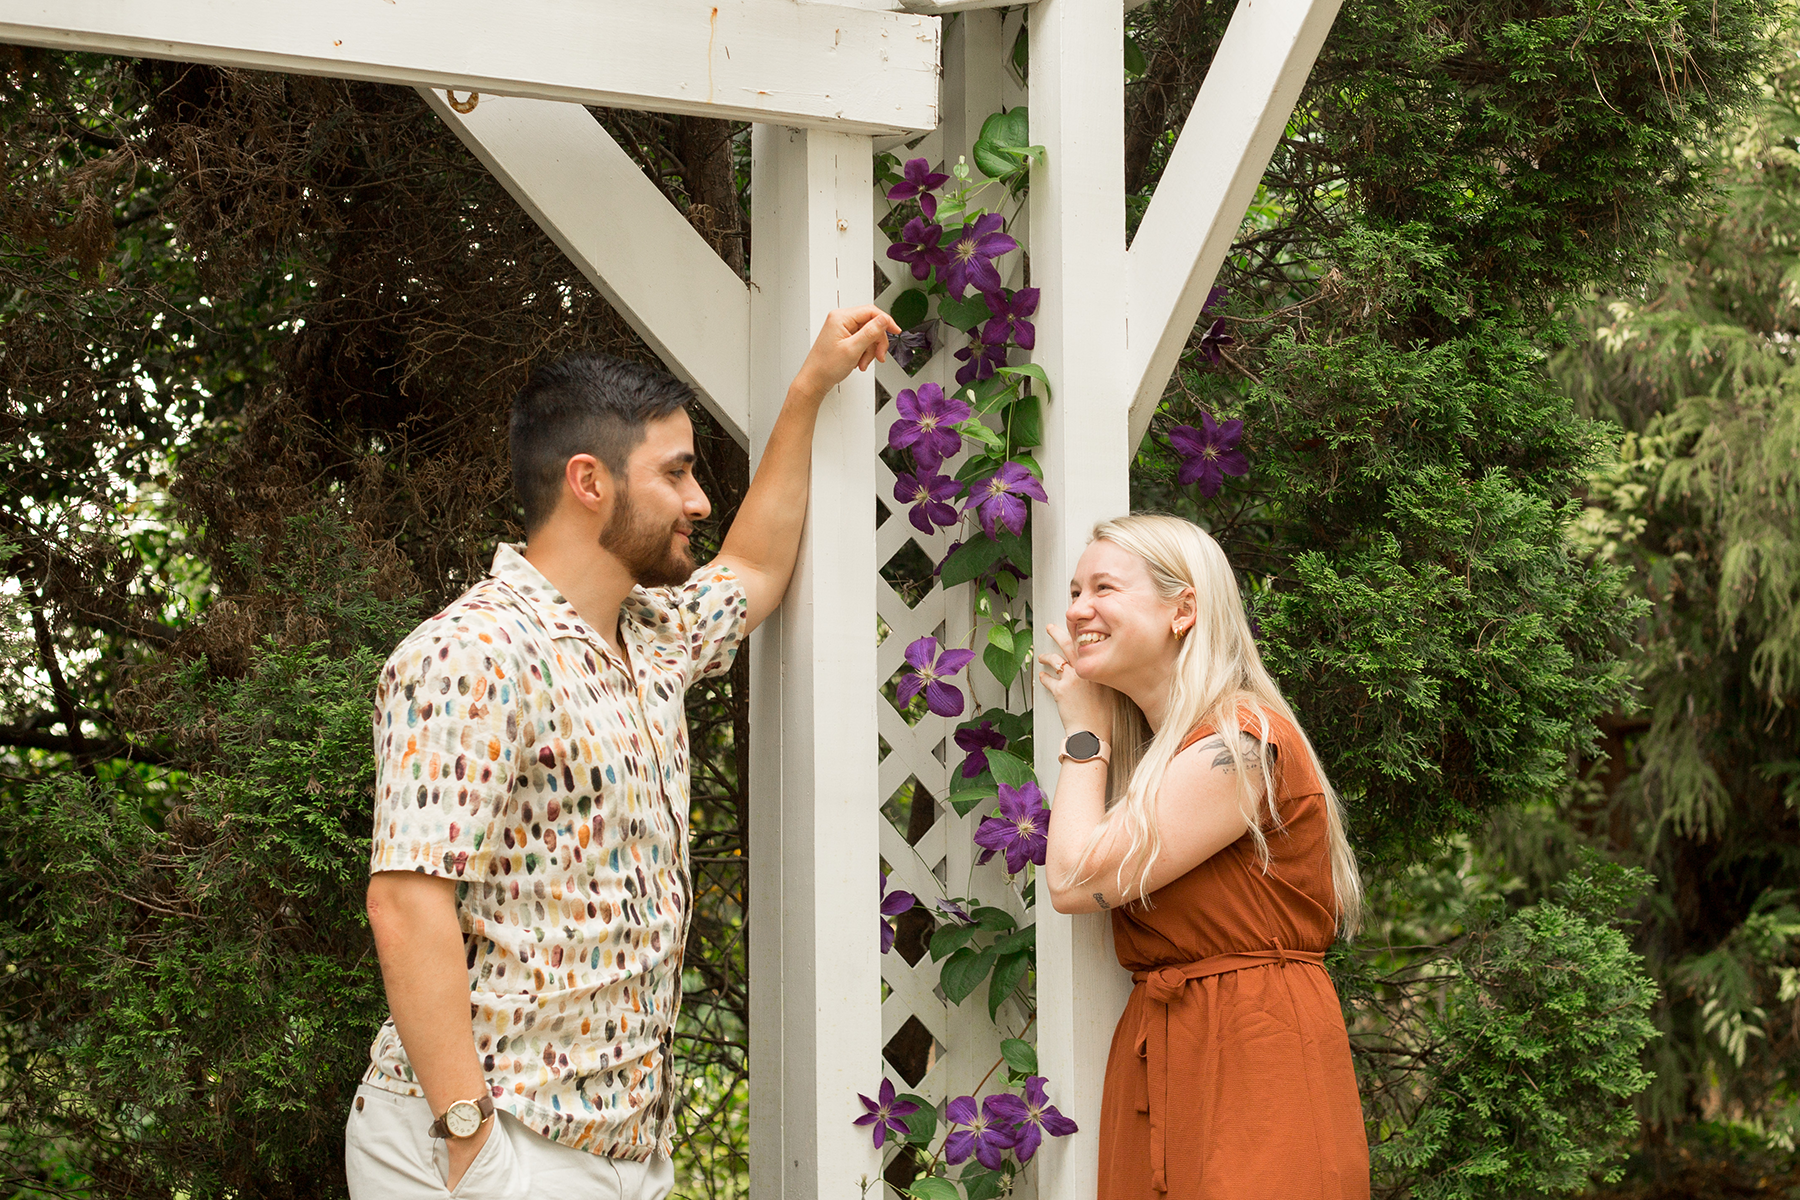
(827, 84)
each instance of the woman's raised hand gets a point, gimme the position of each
(1080, 704)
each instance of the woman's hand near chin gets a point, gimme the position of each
(1081, 704)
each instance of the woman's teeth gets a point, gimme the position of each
(1088, 639)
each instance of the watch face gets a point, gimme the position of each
(462, 1119)
(1082, 745)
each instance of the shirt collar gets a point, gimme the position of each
(556, 614)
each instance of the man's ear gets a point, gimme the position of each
(587, 480)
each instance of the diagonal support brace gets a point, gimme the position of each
(1236, 123)
(634, 247)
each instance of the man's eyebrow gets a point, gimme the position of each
(680, 458)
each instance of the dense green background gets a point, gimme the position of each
(257, 335)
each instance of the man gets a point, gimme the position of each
(529, 893)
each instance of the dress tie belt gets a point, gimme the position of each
(1162, 987)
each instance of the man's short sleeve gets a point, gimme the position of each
(443, 756)
(713, 609)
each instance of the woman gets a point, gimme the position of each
(1217, 845)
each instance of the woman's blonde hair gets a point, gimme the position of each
(1217, 670)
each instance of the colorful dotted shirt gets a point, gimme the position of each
(518, 755)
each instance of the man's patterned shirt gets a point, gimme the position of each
(518, 755)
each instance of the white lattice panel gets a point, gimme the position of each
(977, 82)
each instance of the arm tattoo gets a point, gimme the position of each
(1250, 749)
(1100, 899)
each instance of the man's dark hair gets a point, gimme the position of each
(582, 404)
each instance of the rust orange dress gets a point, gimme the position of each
(1230, 1074)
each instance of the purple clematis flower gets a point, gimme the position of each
(971, 254)
(1000, 498)
(929, 494)
(929, 672)
(954, 911)
(1214, 340)
(919, 178)
(1021, 831)
(1032, 1117)
(980, 359)
(987, 1136)
(918, 246)
(978, 742)
(1209, 453)
(885, 1113)
(892, 905)
(1008, 321)
(1214, 297)
(927, 424)
(907, 348)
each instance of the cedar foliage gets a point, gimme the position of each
(259, 333)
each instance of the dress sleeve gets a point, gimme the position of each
(712, 609)
(445, 750)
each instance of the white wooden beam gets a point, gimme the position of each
(753, 60)
(597, 206)
(815, 970)
(1237, 121)
(1077, 208)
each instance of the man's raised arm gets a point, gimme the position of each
(765, 538)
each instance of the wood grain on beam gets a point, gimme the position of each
(855, 70)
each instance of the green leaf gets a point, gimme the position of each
(921, 1126)
(1033, 371)
(964, 314)
(1006, 979)
(987, 395)
(978, 466)
(963, 972)
(1025, 422)
(966, 800)
(976, 431)
(930, 1187)
(1021, 53)
(1020, 1056)
(983, 1184)
(1135, 63)
(1009, 768)
(1015, 548)
(950, 939)
(1000, 133)
(1023, 939)
(1001, 665)
(994, 920)
(971, 559)
(1000, 637)
(910, 307)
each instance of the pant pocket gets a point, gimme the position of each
(497, 1173)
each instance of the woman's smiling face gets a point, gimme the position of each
(1121, 627)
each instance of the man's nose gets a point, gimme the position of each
(698, 507)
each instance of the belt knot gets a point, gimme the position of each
(1164, 984)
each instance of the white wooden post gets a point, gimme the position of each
(1078, 250)
(815, 1024)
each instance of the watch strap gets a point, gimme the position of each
(440, 1128)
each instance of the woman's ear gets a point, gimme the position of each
(1185, 612)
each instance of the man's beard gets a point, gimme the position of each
(649, 552)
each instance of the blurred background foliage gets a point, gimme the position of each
(1511, 329)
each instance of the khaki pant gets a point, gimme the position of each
(389, 1154)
